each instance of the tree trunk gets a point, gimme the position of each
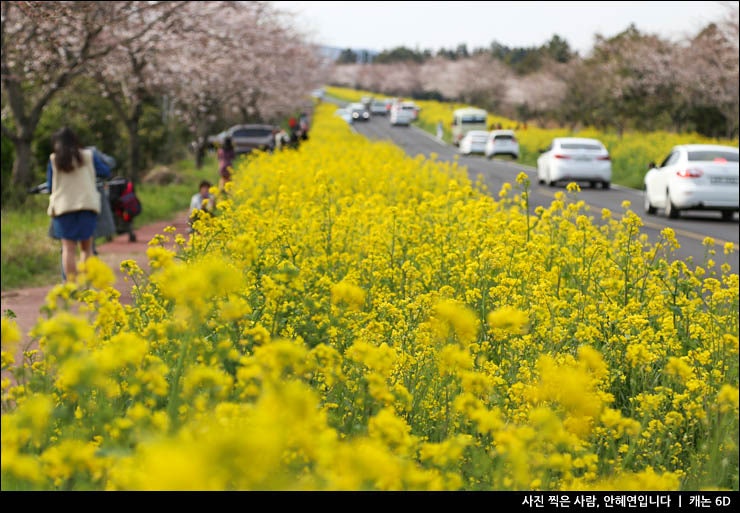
(200, 152)
(23, 164)
(134, 150)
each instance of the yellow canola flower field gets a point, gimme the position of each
(354, 319)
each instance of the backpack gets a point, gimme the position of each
(130, 204)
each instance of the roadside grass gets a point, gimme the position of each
(30, 258)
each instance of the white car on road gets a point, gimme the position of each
(694, 177)
(473, 142)
(502, 142)
(575, 159)
(401, 115)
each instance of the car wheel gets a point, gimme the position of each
(727, 215)
(549, 181)
(592, 185)
(670, 209)
(605, 185)
(649, 208)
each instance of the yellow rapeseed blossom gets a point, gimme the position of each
(508, 319)
(453, 359)
(11, 335)
(727, 399)
(97, 273)
(345, 292)
(463, 320)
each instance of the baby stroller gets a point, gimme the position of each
(125, 205)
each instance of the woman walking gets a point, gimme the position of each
(74, 203)
(225, 156)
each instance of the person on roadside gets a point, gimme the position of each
(201, 202)
(294, 133)
(74, 200)
(225, 156)
(105, 226)
(303, 126)
(280, 137)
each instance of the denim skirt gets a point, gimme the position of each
(78, 225)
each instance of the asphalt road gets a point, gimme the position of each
(691, 228)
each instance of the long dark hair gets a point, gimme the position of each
(66, 149)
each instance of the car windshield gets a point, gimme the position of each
(580, 146)
(503, 137)
(713, 155)
(252, 132)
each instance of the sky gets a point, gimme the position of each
(384, 25)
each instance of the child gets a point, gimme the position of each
(202, 201)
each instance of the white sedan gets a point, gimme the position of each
(473, 142)
(502, 142)
(575, 159)
(694, 177)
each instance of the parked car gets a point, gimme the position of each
(575, 159)
(694, 177)
(359, 111)
(473, 142)
(502, 142)
(247, 138)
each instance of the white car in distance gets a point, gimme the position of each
(400, 115)
(380, 106)
(502, 142)
(575, 159)
(473, 142)
(694, 177)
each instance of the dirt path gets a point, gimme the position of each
(26, 303)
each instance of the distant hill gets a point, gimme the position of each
(363, 54)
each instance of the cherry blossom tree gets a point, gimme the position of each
(237, 62)
(45, 46)
(708, 69)
(129, 74)
(632, 80)
(537, 95)
(212, 60)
